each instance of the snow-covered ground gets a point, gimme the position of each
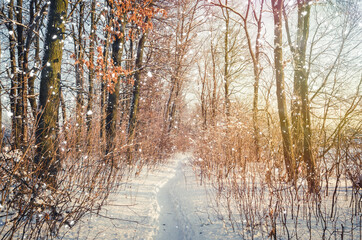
(170, 204)
(167, 203)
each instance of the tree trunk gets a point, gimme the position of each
(32, 74)
(47, 158)
(214, 79)
(299, 60)
(113, 97)
(203, 97)
(255, 57)
(91, 69)
(21, 110)
(79, 74)
(226, 63)
(15, 128)
(136, 91)
(104, 88)
(64, 110)
(302, 75)
(282, 106)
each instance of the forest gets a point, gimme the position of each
(264, 97)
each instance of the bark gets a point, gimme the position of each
(214, 79)
(127, 87)
(303, 32)
(172, 103)
(226, 63)
(282, 106)
(168, 116)
(31, 79)
(203, 97)
(15, 128)
(104, 88)
(47, 158)
(91, 68)
(255, 57)
(21, 110)
(136, 89)
(113, 97)
(301, 123)
(299, 60)
(64, 110)
(79, 74)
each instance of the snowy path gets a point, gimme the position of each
(165, 204)
(170, 225)
(185, 213)
(173, 222)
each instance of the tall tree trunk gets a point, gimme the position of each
(255, 57)
(91, 69)
(302, 75)
(47, 158)
(172, 105)
(79, 74)
(104, 88)
(168, 116)
(255, 111)
(282, 106)
(32, 74)
(127, 87)
(226, 63)
(299, 52)
(214, 86)
(136, 91)
(113, 97)
(21, 110)
(203, 97)
(15, 128)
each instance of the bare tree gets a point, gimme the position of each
(288, 150)
(301, 122)
(113, 96)
(47, 158)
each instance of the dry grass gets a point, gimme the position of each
(254, 198)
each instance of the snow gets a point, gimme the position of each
(170, 203)
(167, 203)
(130, 213)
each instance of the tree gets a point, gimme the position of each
(47, 158)
(302, 76)
(79, 45)
(255, 54)
(21, 111)
(301, 122)
(13, 95)
(184, 22)
(136, 90)
(226, 61)
(113, 96)
(288, 150)
(36, 15)
(91, 74)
